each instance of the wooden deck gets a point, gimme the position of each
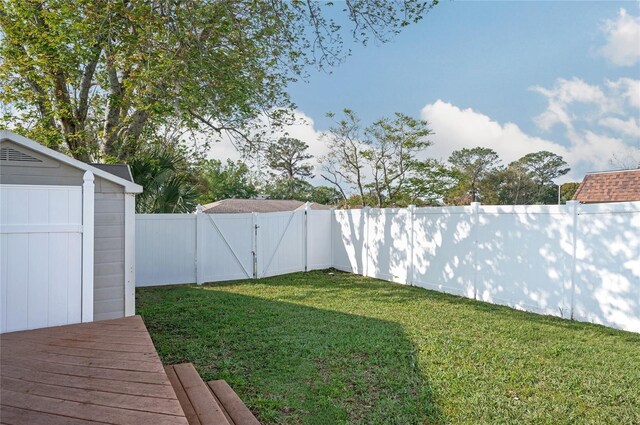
(101, 372)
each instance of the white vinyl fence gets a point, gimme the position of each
(574, 261)
(197, 248)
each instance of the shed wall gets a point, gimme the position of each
(109, 222)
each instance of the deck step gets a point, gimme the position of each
(234, 408)
(199, 405)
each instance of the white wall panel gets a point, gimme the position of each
(41, 249)
(388, 244)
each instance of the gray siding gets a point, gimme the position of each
(109, 280)
(108, 295)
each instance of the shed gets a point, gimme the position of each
(68, 237)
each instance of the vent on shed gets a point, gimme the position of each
(10, 154)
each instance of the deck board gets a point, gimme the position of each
(101, 372)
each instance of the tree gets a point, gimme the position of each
(288, 157)
(567, 190)
(218, 180)
(430, 183)
(515, 185)
(283, 188)
(95, 76)
(325, 195)
(394, 144)
(167, 181)
(543, 167)
(473, 167)
(346, 160)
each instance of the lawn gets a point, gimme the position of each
(331, 348)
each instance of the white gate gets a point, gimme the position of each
(225, 249)
(43, 266)
(281, 243)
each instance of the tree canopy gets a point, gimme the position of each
(95, 77)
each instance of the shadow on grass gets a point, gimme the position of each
(292, 363)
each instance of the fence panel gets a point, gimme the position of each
(388, 247)
(524, 257)
(225, 247)
(444, 250)
(281, 245)
(319, 239)
(348, 240)
(165, 249)
(607, 265)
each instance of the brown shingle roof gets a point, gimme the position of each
(610, 186)
(227, 206)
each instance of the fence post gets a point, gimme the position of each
(307, 208)
(475, 221)
(333, 235)
(198, 259)
(365, 244)
(412, 211)
(254, 243)
(572, 207)
(88, 213)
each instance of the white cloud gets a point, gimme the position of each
(566, 93)
(594, 150)
(457, 128)
(628, 89)
(623, 39)
(629, 127)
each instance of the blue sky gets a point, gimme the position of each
(514, 76)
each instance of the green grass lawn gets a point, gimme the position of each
(321, 348)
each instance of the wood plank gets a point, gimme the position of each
(15, 416)
(199, 395)
(237, 410)
(226, 414)
(93, 345)
(83, 352)
(187, 407)
(84, 361)
(77, 410)
(100, 372)
(88, 335)
(100, 398)
(133, 388)
(91, 372)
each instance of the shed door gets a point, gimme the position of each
(41, 252)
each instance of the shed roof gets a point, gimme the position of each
(227, 206)
(101, 172)
(120, 170)
(609, 186)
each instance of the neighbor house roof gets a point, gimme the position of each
(609, 186)
(101, 172)
(227, 206)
